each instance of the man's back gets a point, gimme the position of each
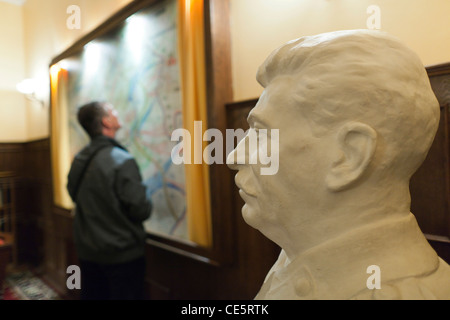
(111, 203)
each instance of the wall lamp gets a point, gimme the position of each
(28, 88)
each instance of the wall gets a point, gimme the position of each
(13, 126)
(47, 35)
(260, 26)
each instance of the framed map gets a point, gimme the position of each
(136, 60)
(135, 67)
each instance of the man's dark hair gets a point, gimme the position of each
(90, 118)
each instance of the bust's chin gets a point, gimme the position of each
(252, 216)
(261, 221)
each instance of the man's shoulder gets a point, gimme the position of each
(116, 156)
(121, 154)
(110, 148)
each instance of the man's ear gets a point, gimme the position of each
(106, 122)
(356, 147)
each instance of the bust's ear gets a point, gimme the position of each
(356, 147)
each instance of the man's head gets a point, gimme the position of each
(355, 111)
(99, 118)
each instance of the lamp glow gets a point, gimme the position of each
(54, 70)
(27, 86)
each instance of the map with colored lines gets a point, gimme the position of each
(135, 67)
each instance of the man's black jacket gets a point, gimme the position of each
(111, 203)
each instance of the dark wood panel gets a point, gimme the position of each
(11, 157)
(429, 190)
(38, 198)
(430, 185)
(5, 258)
(219, 92)
(29, 163)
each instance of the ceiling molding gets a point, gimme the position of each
(16, 2)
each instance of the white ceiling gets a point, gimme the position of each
(16, 2)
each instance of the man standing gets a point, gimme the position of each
(111, 203)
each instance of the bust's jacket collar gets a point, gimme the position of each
(337, 269)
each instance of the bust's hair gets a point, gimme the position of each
(90, 117)
(366, 76)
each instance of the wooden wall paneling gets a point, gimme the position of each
(11, 166)
(219, 92)
(5, 259)
(29, 162)
(59, 252)
(38, 244)
(430, 185)
(51, 253)
(11, 157)
(9, 212)
(177, 277)
(22, 220)
(37, 198)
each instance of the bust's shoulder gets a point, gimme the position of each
(432, 286)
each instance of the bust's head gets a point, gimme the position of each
(356, 117)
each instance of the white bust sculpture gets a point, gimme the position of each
(356, 117)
